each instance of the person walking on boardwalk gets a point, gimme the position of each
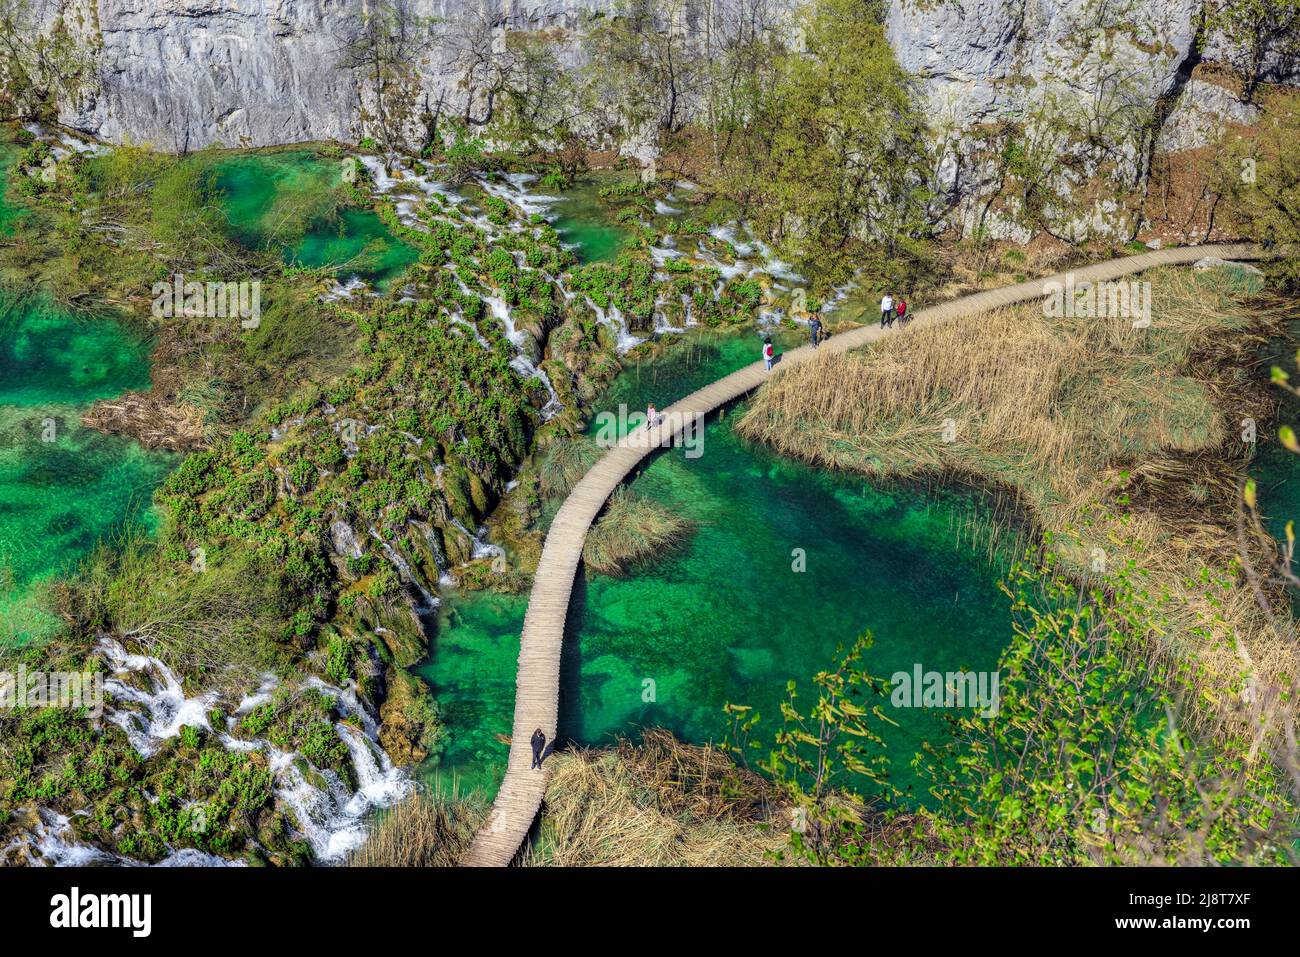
(900, 311)
(651, 416)
(815, 330)
(769, 355)
(886, 310)
(539, 745)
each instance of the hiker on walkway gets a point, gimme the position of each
(651, 416)
(900, 311)
(539, 745)
(769, 356)
(815, 330)
(886, 310)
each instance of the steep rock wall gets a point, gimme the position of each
(184, 74)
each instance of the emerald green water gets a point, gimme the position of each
(726, 618)
(1277, 471)
(63, 487)
(582, 219)
(8, 212)
(265, 192)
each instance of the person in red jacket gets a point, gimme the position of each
(900, 311)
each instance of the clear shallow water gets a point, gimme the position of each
(258, 187)
(725, 618)
(583, 220)
(1277, 471)
(62, 487)
(8, 213)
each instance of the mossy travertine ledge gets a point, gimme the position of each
(538, 682)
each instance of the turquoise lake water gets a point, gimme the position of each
(727, 618)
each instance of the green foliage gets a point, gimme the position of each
(300, 720)
(464, 156)
(1086, 759)
(818, 750)
(1251, 30)
(1259, 176)
(836, 149)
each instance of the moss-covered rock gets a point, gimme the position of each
(412, 728)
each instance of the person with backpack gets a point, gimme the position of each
(815, 330)
(900, 311)
(769, 355)
(886, 310)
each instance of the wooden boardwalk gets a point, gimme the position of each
(538, 682)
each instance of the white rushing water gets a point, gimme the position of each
(51, 842)
(150, 705)
(162, 711)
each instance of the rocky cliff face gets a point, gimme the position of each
(183, 74)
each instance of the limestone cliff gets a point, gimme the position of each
(183, 74)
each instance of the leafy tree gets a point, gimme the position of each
(385, 43)
(39, 67)
(1088, 758)
(641, 59)
(541, 102)
(836, 152)
(818, 752)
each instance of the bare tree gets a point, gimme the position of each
(39, 66)
(1252, 29)
(385, 43)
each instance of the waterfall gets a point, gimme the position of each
(331, 818)
(51, 843)
(165, 708)
(614, 319)
(430, 601)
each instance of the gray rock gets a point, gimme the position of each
(185, 74)
(1214, 262)
(1200, 116)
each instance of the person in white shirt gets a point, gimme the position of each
(887, 310)
(769, 356)
(651, 416)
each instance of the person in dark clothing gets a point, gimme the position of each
(539, 746)
(815, 331)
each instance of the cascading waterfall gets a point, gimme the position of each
(51, 842)
(428, 601)
(332, 818)
(480, 547)
(613, 318)
(163, 711)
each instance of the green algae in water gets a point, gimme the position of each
(726, 618)
(359, 240)
(354, 239)
(9, 214)
(63, 487)
(48, 357)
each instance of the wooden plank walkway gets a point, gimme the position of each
(538, 682)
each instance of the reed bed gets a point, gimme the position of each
(427, 829)
(631, 530)
(564, 463)
(658, 804)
